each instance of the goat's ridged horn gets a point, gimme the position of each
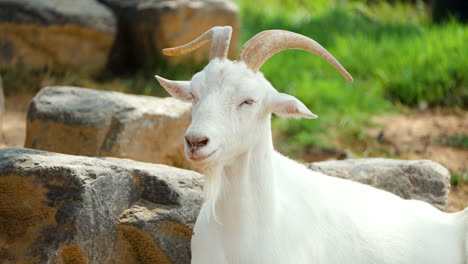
(220, 38)
(267, 43)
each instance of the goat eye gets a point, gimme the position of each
(247, 102)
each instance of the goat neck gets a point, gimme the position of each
(248, 191)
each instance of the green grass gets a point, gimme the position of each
(394, 53)
(458, 140)
(457, 179)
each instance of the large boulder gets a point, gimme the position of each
(61, 33)
(410, 179)
(2, 109)
(57, 208)
(87, 122)
(146, 27)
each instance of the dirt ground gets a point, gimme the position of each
(413, 135)
(430, 135)
(427, 136)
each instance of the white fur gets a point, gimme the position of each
(262, 207)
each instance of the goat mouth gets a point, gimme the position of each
(194, 158)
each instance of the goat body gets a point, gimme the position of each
(274, 210)
(262, 207)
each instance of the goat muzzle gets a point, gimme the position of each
(196, 142)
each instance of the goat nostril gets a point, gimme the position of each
(203, 142)
(195, 142)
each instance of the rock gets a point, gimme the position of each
(410, 179)
(61, 33)
(146, 27)
(87, 122)
(57, 208)
(2, 109)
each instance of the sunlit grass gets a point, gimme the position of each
(393, 52)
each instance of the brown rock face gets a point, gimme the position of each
(66, 34)
(21, 222)
(86, 122)
(72, 254)
(145, 250)
(2, 109)
(87, 36)
(56, 208)
(186, 20)
(147, 27)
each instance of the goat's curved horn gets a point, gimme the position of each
(267, 43)
(220, 38)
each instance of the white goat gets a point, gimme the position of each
(261, 207)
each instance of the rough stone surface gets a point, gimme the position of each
(2, 109)
(148, 26)
(410, 179)
(57, 208)
(87, 122)
(76, 34)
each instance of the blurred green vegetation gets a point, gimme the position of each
(457, 140)
(396, 55)
(457, 179)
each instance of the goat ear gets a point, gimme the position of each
(289, 106)
(178, 89)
